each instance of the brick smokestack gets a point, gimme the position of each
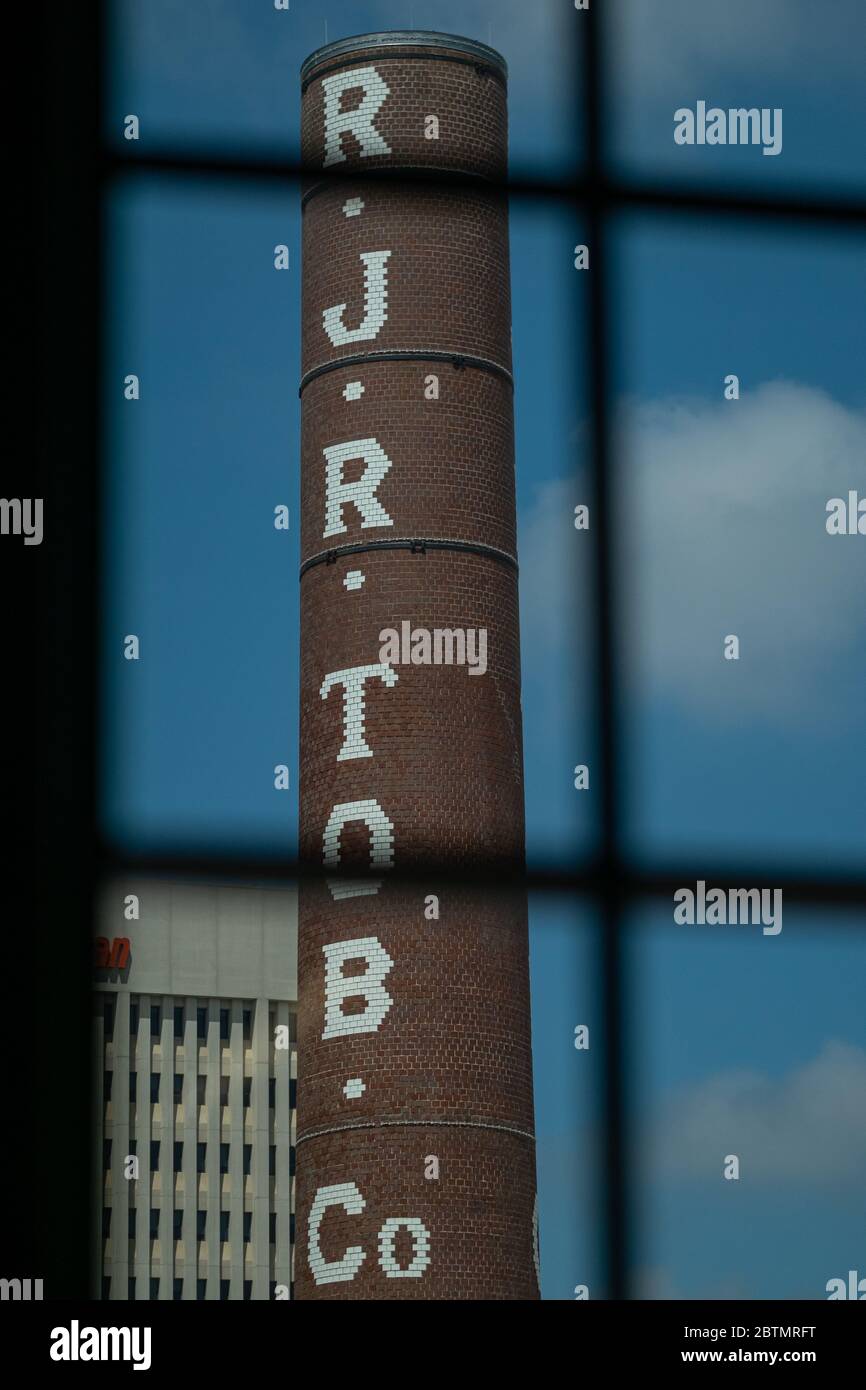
(416, 1163)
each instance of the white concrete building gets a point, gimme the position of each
(195, 1062)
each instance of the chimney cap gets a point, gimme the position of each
(405, 38)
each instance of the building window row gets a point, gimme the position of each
(201, 1156)
(200, 1225)
(201, 1089)
(178, 1014)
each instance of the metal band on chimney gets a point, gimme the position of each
(418, 546)
(458, 360)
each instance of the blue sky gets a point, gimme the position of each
(743, 1043)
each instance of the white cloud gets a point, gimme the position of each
(807, 1128)
(721, 530)
(725, 534)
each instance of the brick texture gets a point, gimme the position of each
(447, 479)
(416, 1168)
(447, 275)
(468, 99)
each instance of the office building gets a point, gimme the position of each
(195, 1078)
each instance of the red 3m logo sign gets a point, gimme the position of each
(112, 955)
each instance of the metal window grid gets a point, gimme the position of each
(76, 175)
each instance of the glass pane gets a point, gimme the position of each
(742, 433)
(224, 75)
(786, 75)
(555, 559)
(195, 566)
(567, 1057)
(750, 1047)
(196, 570)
